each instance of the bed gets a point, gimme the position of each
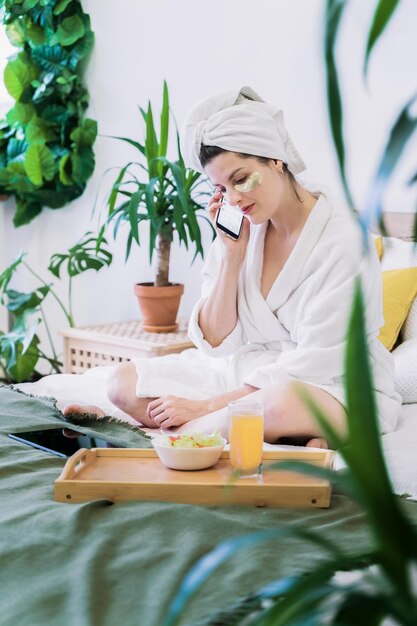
(103, 564)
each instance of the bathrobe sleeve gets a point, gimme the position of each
(235, 339)
(320, 321)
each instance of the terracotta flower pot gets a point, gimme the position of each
(159, 306)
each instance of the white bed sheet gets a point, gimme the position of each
(400, 446)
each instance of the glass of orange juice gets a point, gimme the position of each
(246, 435)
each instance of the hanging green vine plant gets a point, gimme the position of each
(46, 154)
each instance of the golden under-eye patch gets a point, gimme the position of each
(251, 183)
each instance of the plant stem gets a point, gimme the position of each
(53, 363)
(48, 333)
(67, 315)
(70, 300)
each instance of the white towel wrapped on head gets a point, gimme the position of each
(240, 121)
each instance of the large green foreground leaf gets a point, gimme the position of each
(333, 16)
(382, 16)
(401, 132)
(310, 600)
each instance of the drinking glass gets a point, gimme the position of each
(246, 434)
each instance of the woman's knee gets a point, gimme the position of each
(121, 385)
(287, 414)
(275, 417)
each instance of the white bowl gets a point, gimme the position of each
(188, 458)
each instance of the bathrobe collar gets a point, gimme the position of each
(263, 312)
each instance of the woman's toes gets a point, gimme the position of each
(81, 409)
(317, 442)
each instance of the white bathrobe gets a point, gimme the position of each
(298, 332)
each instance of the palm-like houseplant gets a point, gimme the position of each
(162, 193)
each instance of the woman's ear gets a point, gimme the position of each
(278, 166)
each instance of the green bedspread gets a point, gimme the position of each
(104, 564)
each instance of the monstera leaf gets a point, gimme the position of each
(89, 253)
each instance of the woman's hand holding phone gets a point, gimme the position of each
(235, 249)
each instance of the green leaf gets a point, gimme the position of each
(333, 16)
(26, 211)
(20, 302)
(180, 158)
(343, 480)
(7, 274)
(20, 113)
(55, 113)
(211, 561)
(35, 34)
(25, 360)
(150, 201)
(412, 180)
(51, 58)
(29, 4)
(82, 49)
(132, 209)
(69, 31)
(162, 150)
(305, 597)
(394, 533)
(401, 132)
(115, 190)
(16, 150)
(136, 144)
(54, 198)
(37, 132)
(382, 16)
(18, 179)
(178, 221)
(16, 342)
(82, 164)
(151, 143)
(15, 34)
(85, 135)
(18, 76)
(60, 6)
(65, 170)
(89, 253)
(360, 607)
(39, 163)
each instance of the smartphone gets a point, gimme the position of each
(54, 441)
(229, 220)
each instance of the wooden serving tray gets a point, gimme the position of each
(137, 474)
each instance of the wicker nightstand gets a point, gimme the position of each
(109, 344)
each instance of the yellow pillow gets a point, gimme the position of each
(399, 288)
(379, 247)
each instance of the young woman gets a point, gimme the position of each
(275, 303)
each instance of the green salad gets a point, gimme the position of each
(196, 440)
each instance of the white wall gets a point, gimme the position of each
(200, 47)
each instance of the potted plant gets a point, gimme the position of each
(162, 193)
(20, 348)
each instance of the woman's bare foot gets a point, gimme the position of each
(79, 409)
(317, 442)
(83, 408)
(95, 410)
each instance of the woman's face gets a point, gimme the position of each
(258, 198)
